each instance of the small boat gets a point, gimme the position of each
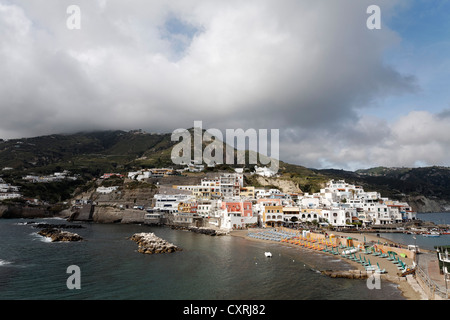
(268, 254)
(431, 234)
(349, 251)
(408, 271)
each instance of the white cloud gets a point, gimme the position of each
(307, 68)
(417, 139)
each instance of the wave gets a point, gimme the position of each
(54, 218)
(46, 239)
(21, 223)
(4, 262)
(37, 236)
(314, 270)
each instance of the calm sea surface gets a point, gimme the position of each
(421, 241)
(208, 268)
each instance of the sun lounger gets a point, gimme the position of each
(370, 268)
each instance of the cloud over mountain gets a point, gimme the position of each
(308, 68)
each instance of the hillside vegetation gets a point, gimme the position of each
(90, 154)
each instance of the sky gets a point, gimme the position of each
(341, 94)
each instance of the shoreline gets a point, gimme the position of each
(406, 289)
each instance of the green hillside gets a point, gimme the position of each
(90, 154)
(79, 153)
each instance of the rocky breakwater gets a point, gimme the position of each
(58, 235)
(359, 274)
(149, 243)
(350, 274)
(202, 230)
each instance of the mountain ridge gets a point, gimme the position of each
(91, 154)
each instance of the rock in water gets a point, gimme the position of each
(57, 235)
(149, 243)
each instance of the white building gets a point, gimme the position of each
(232, 221)
(106, 190)
(309, 202)
(370, 206)
(264, 171)
(339, 217)
(209, 208)
(169, 202)
(5, 196)
(140, 175)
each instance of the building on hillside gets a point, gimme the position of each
(110, 175)
(243, 208)
(144, 174)
(247, 192)
(291, 216)
(9, 195)
(339, 216)
(231, 221)
(190, 206)
(168, 203)
(231, 184)
(272, 216)
(264, 171)
(107, 190)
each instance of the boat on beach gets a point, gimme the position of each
(349, 251)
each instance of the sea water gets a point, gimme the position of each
(419, 240)
(207, 268)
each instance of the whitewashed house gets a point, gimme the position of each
(106, 190)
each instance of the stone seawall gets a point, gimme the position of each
(359, 274)
(207, 231)
(21, 211)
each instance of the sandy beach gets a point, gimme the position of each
(391, 270)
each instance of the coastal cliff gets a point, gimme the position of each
(422, 204)
(284, 185)
(18, 211)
